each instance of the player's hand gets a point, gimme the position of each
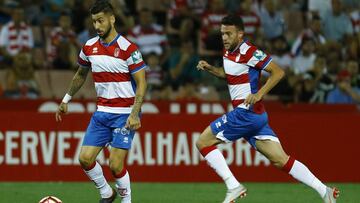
(62, 109)
(203, 65)
(252, 99)
(133, 122)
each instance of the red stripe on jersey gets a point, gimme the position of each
(111, 77)
(250, 52)
(134, 66)
(83, 62)
(237, 102)
(237, 79)
(14, 46)
(116, 102)
(12, 37)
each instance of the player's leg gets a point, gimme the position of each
(95, 139)
(121, 143)
(206, 144)
(274, 152)
(121, 175)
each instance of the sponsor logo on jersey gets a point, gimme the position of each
(136, 56)
(95, 50)
(116, 52)
(260, 55)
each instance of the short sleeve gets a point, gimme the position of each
(135, 61)
(83, 59)
(258, 59)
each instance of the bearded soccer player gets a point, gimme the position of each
(119, 75)
(242, 66)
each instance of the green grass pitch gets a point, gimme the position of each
(85, 192)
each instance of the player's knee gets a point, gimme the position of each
(85, 160)
(116, 166)
(200, 143)
(279, 161)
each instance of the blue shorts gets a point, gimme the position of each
(108, 128)
(242, 123)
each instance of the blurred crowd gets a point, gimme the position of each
(315, 41)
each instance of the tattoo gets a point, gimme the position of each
(78, 80)
(137, 105)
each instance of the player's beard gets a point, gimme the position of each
(106, 33)
(233, 46)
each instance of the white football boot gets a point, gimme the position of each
(233, 194)
(331, 195)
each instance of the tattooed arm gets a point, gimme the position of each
(76, 83)
(78, 80)
(133, 121)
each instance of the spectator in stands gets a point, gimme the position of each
(323, 82)
(158, 7)
(154, 76)
(281, 55)
(182, 23)
(88, 31)
(305, 60)
(20, 78)
(319, 7)
(305, 88)
(181, 65)
(353, 68)
(16, 35)
(124, 20)
(352, 50)
(63, 46)
(355, 19)
(251, 20)
(147, 35)
(337, 24)
(209, 40)
(313, 31)
(333, 53)
(344, 93)
(281, 52)
(79, 11)
(272, 20)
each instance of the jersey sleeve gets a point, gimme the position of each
(257, 58)
(83, 59)
(135, 61)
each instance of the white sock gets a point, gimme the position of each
(96, 175)
(123, 187)
(301, 173)
(217, 161)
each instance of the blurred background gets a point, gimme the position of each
(315, 41)
(314, 109)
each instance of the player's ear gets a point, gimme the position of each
(240, 34)
(112, 19)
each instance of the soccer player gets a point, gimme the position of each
(118, 71)
(243, 63)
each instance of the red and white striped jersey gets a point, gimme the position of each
(243, 69)
(151, 39)
(112, 67)
(251, 23)
(14, 39)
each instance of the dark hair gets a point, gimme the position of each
(102, 6)
(233, 19)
